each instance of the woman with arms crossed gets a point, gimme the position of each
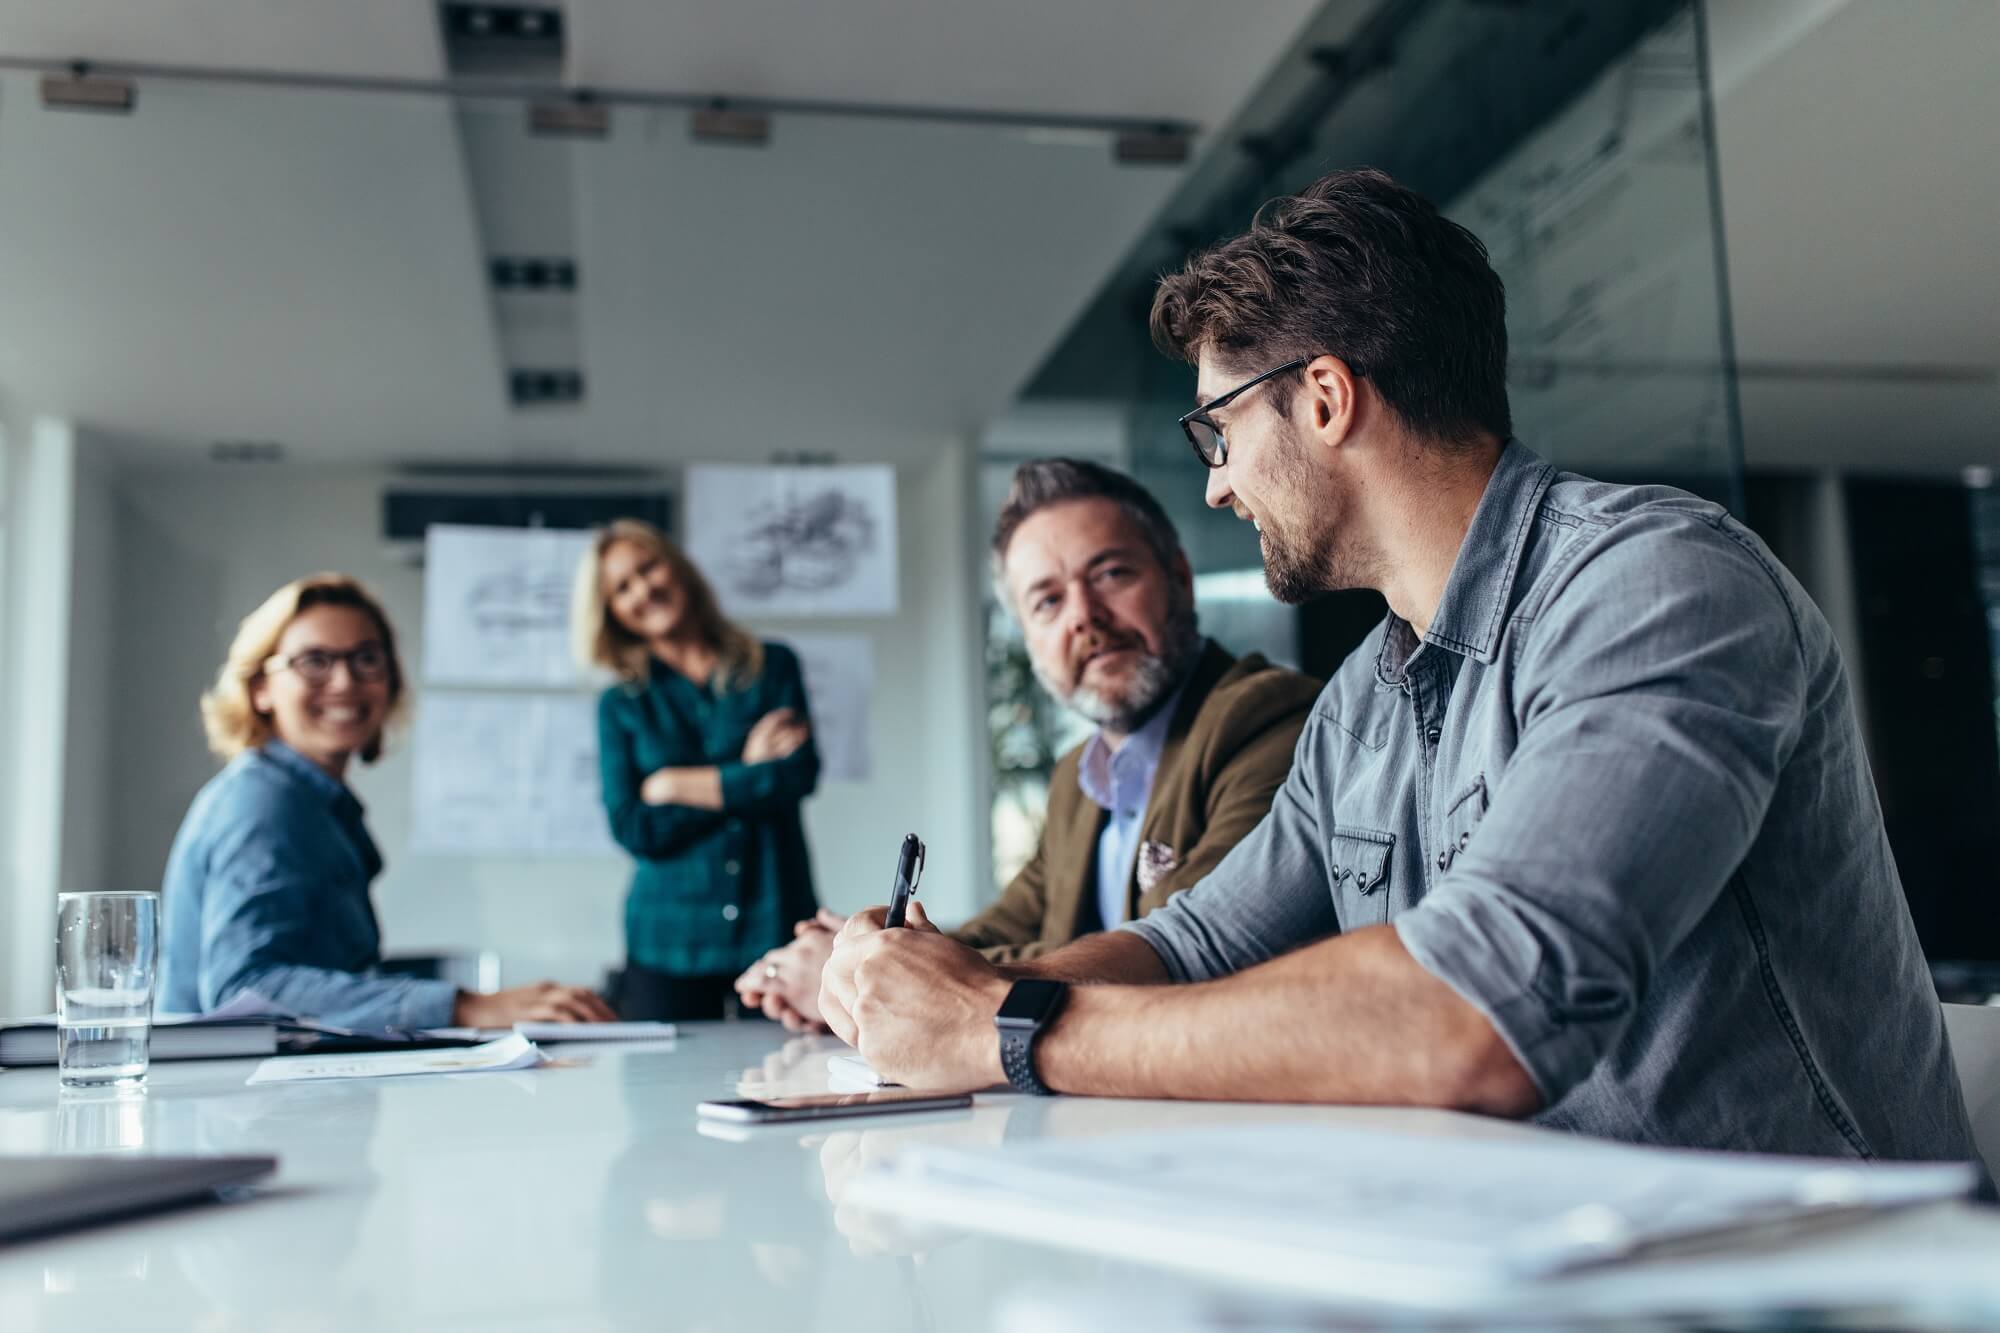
(706, 750)
(267, 886)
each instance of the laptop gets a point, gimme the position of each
(42, 1194)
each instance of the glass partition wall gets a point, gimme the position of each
(1576, 142)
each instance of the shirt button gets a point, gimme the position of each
(1444, 858)
(732, 867)
(730, 913)
(1433, 734)
(1464, 841)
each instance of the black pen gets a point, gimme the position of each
(909, 869)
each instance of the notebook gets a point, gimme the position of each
(175, 1037)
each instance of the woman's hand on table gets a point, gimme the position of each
(543, 1002)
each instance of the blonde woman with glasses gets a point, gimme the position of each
(267, 886)
(706, 750)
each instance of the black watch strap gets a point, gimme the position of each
(1031, 1005)
(1017, 1057)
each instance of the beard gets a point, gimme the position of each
(1299, 566)
(1154, 677)
(1297, 575)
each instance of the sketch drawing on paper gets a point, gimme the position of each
(801, 541)
(496, 605)
(533, 601)
(806, 545)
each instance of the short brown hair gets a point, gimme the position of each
(1358, 267)
(229, 715)
(1042, 482)
(598, 640)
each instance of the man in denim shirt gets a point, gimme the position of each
(1583, 831)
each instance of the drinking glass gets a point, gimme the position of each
(107, 949)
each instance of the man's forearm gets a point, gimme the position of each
(1111, 956)
(1349, 1019)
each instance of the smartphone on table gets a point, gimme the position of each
(822, 1106)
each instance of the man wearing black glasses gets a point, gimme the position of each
(1583, 831)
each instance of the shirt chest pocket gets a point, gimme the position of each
(1360, 859)
(1460, 819)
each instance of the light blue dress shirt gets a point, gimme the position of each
(1120, 781)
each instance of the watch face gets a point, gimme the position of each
(1031, 1001)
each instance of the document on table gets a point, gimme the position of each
(513, 1051)
(596, 1031)
(560, 1032)
(1367, 1214)
(848, 1073)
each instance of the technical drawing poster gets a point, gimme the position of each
(496, 605)
(795, 541)
(495, 773)
(840, 675)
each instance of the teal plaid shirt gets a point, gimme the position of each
(713, 889)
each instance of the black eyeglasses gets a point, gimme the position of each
(1205, 435)
(314, 666)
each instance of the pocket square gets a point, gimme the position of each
(1156, 862)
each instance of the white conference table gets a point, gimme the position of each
(582, 1195)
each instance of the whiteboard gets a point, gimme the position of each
(497, 772)
(496, 605)
(795, 541)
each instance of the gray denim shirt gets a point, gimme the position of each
(1617, 799)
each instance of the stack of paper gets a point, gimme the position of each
(1373, 1215)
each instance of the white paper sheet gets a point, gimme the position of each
(497, 773)
(851, 1073)
(840, 682)
(513, 1051)
(496, 605)
(795, 541)
(1422, 1219)
(561, 1032)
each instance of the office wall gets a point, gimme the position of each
(199, 547)
(45, 490)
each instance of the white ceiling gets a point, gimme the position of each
(378, 38)
(1179, 60)
(234, 262)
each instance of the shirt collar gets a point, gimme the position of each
(1103, 772)
(1476, 596)
(304, 770)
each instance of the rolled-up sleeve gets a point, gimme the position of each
(1268, 895)
(1660, 691)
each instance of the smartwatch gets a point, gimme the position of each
(1029, 1008)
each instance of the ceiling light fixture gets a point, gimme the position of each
(1154, 148)
(581, 117)
(718, 122)
(80, 92)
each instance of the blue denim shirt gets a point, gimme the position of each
(266, 891)
(1616, 799)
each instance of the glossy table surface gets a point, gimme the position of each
(580, 1195)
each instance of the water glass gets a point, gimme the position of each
(107, 950)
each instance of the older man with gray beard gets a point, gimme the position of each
(1191, 743)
